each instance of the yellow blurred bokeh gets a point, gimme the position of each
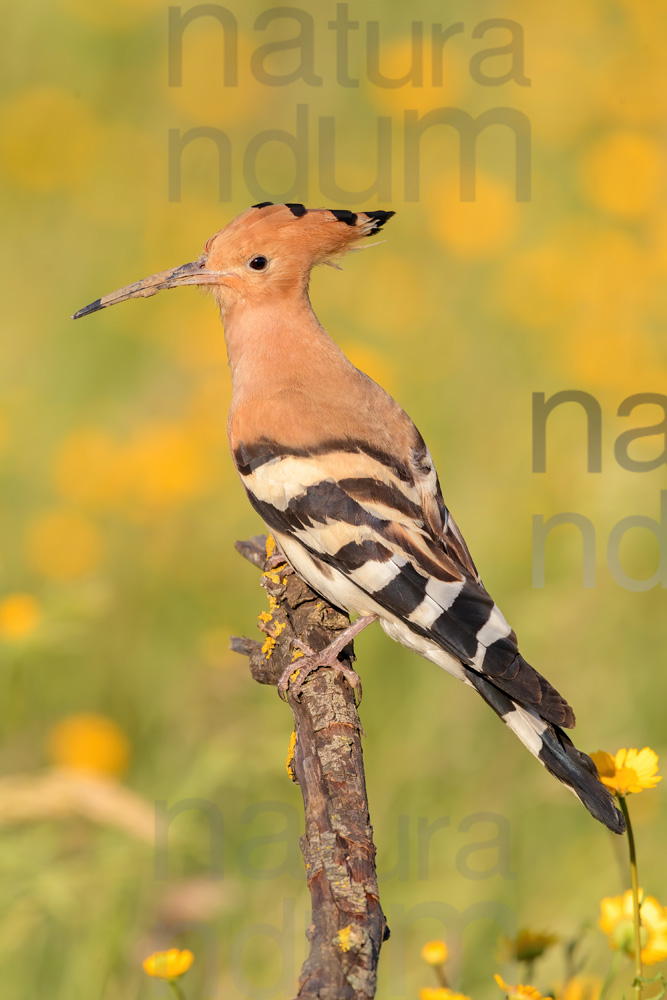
(20, 614)
(160, 465)
(432, 82)
(48, 139)
(202, 96)
(89, 469)
(63, 545)
(623, 174)
(167, 465)
(111, 16)
(89, 743)
(473, 229)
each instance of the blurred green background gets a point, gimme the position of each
(119, 584)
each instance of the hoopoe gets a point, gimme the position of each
(346, 484)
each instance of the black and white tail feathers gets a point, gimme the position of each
(553, 748)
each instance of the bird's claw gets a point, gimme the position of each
(309, 663)
(276, 560)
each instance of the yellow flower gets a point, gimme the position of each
(440, 993)
(616, 921)
(19, 616)
(435, 952)
(629, 771)
(527, 946)
(89, 743)
(519, 992)
(581, 988)
(168, 964)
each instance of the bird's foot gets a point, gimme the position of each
(327, 657)
(308, 664)
(276, 560)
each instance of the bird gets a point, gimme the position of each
(343, 479)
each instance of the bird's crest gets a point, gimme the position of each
(316, 235)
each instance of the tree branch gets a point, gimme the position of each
(347, 923)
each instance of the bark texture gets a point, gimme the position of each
(347, 923)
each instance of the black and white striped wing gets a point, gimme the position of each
(374, 536)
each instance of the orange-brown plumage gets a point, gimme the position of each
(299, 241)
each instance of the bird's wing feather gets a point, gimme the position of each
(384, 526)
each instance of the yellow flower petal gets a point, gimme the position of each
(581, 988)
(645, 764)
(168, 964)
(605, 763)
(616, 921)
(440, 993)
(628, 771)
(519, 992)
(435, 952)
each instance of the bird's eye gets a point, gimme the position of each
(258, 263)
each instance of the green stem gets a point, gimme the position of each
(568, 972)
(440, 975)
(178, 992)
(611, 975)
(639, 972)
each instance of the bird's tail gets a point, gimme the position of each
(555, 750)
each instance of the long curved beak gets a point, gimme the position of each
(194, 273)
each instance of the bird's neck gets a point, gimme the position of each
(293, 385)
(274, 344)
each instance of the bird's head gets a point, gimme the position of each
(267, 251)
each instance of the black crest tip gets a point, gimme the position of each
(344, 215)
(296, 209)
(379, 217)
